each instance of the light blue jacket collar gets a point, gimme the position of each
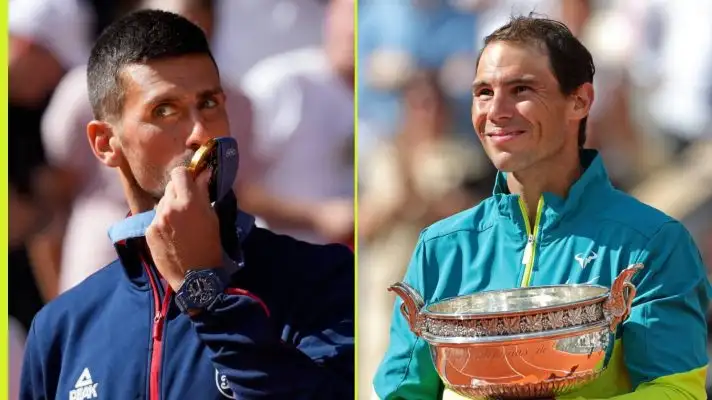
(136, 225)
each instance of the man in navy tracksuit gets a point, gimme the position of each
(200, 303)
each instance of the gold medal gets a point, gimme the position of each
(205, 157)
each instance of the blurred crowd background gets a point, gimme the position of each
(420, 161)
(287, 67)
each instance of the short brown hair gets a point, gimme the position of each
(571, 63)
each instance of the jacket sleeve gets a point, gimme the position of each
(32, 384)
(665, 337)
(407, 370)
(317, 364)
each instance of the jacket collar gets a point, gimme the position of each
(134, 226)
(593, 179)
(128, 239)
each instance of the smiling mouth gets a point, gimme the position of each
(503, 134)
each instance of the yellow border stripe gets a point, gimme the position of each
(3, 217)
(356, 324)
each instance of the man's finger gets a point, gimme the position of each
(182, 181)
(203, 182)
(170, 192)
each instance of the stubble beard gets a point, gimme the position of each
(164, 174)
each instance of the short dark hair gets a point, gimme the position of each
(571, 63)
(138, 37)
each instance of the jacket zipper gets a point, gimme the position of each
(530, 249)
(154, 387)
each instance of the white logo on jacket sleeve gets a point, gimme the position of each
(223, 386)
(85, 388)
(583, 261)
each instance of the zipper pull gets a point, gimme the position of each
(528, 250)
(158, 326)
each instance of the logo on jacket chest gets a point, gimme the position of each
(584, 267)
(85, 388)
(584, 259)
(223, 386)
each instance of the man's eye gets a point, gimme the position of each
(164, 110)
(521, 89)
(209, 103)
(484, 92)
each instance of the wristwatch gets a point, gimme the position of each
(200, 289)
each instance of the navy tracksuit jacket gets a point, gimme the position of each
(284, 330)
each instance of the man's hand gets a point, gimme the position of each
(185, 233)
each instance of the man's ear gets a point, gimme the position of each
(104, 143)
(582, 101)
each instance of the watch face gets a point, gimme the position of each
(201, 290)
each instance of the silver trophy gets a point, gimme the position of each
(521, 343)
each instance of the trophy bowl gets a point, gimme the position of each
(523, 343)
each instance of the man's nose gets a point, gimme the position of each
(200, 134)
(500, 108)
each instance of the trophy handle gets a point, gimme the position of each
(620, 299)
(412, 303)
